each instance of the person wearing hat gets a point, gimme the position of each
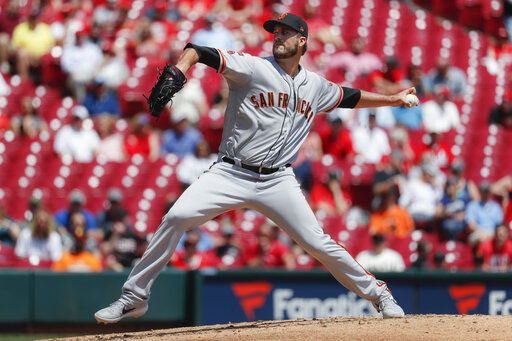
(441, 115)
(482, 216)
(77, 201)
(380, 258)
(101, 100)
(75, 140)
(114, 211)
(390, 79)
(272, 102)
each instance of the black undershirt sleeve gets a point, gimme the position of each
(207, 55)
(350, 97)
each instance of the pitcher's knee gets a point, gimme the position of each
(177, 219)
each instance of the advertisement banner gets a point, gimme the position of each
(468, 298)
(237, 300)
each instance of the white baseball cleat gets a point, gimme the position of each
(117, 310)
(389, 308)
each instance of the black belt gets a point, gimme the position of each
(255, 169)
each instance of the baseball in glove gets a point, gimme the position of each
(170, 81)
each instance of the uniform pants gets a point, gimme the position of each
(278, 196)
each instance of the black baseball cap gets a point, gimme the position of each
(288, 19)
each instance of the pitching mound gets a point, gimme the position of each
(413, 327)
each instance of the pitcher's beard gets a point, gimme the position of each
(284, 55)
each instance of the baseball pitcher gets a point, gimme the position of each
(271, 106)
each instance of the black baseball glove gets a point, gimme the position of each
(170, 81)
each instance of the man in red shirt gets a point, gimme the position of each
(497, 252)
(269, 252)
(440, 151)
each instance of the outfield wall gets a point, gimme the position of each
(209, 297)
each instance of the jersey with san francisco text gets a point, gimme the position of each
(269, 114)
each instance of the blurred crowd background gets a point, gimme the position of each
(86, 174)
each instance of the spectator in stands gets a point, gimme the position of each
(303, 261)
(228, 250)
(113, 69)
(9, 230)
(357, 62)
(78, 259)
(65, 20)
(81, 61)
(142, 140)
(465, 190)
(502, 114)
(390, 218)
(434, 148)
(483, 216)
(76, 204)
(380, 258)
(105, 15)
(371, 142)
(335, 137)
(205, 243)
(29, 123)
(146, 44)
(446, 74)
(111, 143)
(503, 189)
(439, 261)
(9, 19)
(327, 196)
(423, 251)
(79, 141)
(440, 115)
(497, 251)
(417, 79)
(183, 139)
(213, 35)
(101, 100)
(320, 32)
(40, 240)
(269, 252)
(31, 40)
(420, 197)
(114, 211)
(390, 176)
(193, 165)
(451, 210)
(190, 258)
(121, 247)
(399, 139)
(389, 79)
(499, 50)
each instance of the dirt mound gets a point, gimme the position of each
(412, 327)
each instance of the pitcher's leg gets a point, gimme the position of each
(285, 204)
(211, 195)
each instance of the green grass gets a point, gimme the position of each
(30, 337)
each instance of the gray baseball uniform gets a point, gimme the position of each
(268, 117)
